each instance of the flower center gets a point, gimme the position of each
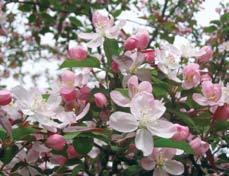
(160, 162)
(145, 120)
(38, 103)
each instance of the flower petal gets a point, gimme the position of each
(95, 42)
(158, 109)
(123, 122)
(144, 141)
(88, 36)
(132, 85)
(159, 172)
(162, 128)
(174, 167)
(84, 112)
(145, 86)
(147, 163)
(119, 99)
(201, 100)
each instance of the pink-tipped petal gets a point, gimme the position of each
(119, 99)
(201, 100)
(147, 163)
(145, 86)
(123, 122)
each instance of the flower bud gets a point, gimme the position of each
(68, 94)
(222, 113)
(207, 55)
(115, 67)
(181, 134)
(100, 100)
(131, 43)
(149, 55)
(77, 53)
(84, 93)
(58, 159)
(56, 142)
(72, 153)
(68, 78)
(198, 146)
(143, 39)
(5, 97)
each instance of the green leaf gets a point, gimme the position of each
(173, 144)
(117, 13)
(225, 17)
(210, 29)
(111, 49)
(8, 154)
(76, 169)
(2, 133)
(71, 135)
(83, 145)
(183, 117)
(21, 133)
(221, 126)
(87, 62)
(48, 19)
(25, 7)
(75, 21)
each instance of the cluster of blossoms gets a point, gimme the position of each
(140, 115)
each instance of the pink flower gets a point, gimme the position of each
(208, 53)
(104, 27)
(133, 88)
(100, 100)
(115, 67)
(191, 76)
(145, 120)
(211, 94)
(77, 53)
(143, 39)
(198, 146)
(161, 161)
(5, 97)
(68, 78)
(56, 142)
(131, 43)
(181, 134)
(68, 94)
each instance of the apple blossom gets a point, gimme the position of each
(56, 142)
(149, 55)
(115, 67)
(133, 88)
(198, 146)
(68, 78)
(104, 27)
(5, 97)
(207, 55)
(142, 37)
(68, 94)
(77, 53)
(145, 120)
(191, 76)
(211, 94)
(161, 161)
(221, 113)
(72, 153)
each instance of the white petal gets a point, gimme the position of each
(174, 167)
(119, 99)
(158, 109)
(84, 112)
(53, 102)
(162, 128)
(88, 36)
(95, 42)
(159, 172)
(144, 141)
(123, 122)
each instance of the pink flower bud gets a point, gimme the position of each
(181, 134)
(5, 97)
(149, 55)
(56, 142)
(191, 76)
(3, 31)
(198, 146)
(207, 55)
(100, 100)
(222, 113)
(68, 94)
(143, 39)
(77, 53)
(72, 153)
(115, 67)
(58, 159)
(131, 43)
(68, 78)
(84, 93)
